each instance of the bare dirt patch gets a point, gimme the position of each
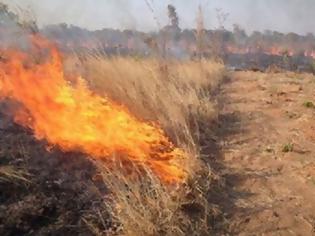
(267, 151)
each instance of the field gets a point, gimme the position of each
(65, 192)
(267, 150)
(175, 133)
(249, 137)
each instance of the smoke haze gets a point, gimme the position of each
(280, 15)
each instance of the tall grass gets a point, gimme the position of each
(176, 95)
(173, 93)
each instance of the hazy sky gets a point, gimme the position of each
(282, 15)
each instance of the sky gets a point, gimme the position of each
(281, 15)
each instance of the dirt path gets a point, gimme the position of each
(268, 153)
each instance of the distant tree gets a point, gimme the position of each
(221, 17)
(171, 32)
(172, 15)
(292, 37)
(200, 34)
(240, 36)
(188, 35)
(310, 37)
(267, 33)
(256, 39)
(219, 36)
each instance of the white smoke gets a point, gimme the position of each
(281, 15)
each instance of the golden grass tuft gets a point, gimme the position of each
(172, 93)
(14, 175)
(176, 94)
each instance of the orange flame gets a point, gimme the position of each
(74, 118)
(272, 51)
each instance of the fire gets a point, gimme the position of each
(271, 51)
(75, 119)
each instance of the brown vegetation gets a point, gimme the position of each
(176, 95)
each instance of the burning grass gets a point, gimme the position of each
(178, 96)
(174, 93)
(145, 144)
(87, 122)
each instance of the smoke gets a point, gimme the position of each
(281, 15)
(14, 30)
(122, 10)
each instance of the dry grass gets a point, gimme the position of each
(142, 207)
(177, 96)
(174, 94)
(148, 207)
(11, 174)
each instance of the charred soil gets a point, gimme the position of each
(45, 192)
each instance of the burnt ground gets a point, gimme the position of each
(265, 151)
(45, 193)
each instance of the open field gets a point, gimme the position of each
(253, 129)
(249, 137)
(167, 132)
(267, 153)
